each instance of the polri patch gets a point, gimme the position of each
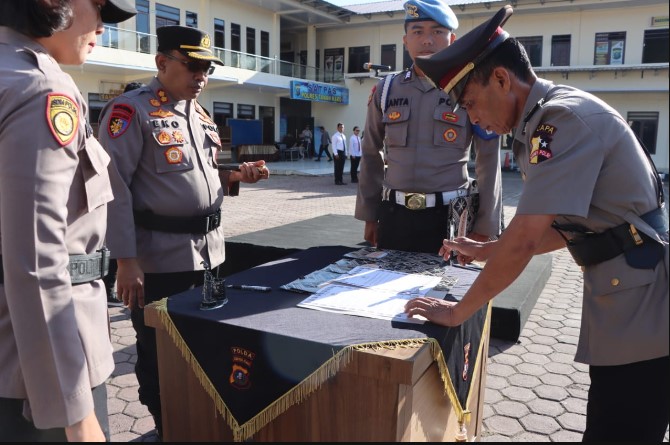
(119, 121)
(240, 374)
(174, 155)
(63, 117)
(541, 142)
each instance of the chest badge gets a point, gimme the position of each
(161, 113)
(63, 118)
(394, 115)
(178, 136)
(449, 117)
(174, 155)
(450, 135)
(163, 138)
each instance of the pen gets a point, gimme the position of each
(247, 287)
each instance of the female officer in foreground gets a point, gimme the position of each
(55, 351)
(591, 187)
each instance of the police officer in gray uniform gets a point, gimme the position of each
(55, 350)
(165, 221)
(589, 186)
(405, 203)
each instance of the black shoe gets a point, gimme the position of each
(340, 183)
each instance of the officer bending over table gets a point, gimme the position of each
(165, 220)
(589, 186)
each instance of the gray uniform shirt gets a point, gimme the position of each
(581, 161)
(427, 150)
(163, 150)
(54, 187)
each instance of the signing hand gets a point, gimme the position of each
(438, 311)
(467, 249)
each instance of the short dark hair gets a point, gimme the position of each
(510, 55)
(36, 18)
(132, 86)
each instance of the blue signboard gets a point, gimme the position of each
(319, 92)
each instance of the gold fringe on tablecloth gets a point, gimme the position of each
(312, 382)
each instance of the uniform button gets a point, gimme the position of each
(615, 281)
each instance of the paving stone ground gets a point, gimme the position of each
(535, 391)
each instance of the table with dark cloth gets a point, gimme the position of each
(260, 353)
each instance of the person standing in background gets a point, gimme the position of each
(425, 145)
(355, 154)
(306, 141)
(55, 350)
(165, 220)
(339, 142)
(325, 142)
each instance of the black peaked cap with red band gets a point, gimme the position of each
(449, 68)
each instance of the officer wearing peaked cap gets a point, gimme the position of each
(165, 220)
(590, 186)
(405, 193)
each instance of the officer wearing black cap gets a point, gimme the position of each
(55, 350)
(404, 193)
(165, 222)
(590, 186)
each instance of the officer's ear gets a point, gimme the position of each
(501, 77)
(161, 60)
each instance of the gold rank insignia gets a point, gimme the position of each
(161, 113)
(450, 135)
(205, 42)
(63, 117)
(163, 138)
(394, 115)
(162, 96)
(155, 102)
(174, 155)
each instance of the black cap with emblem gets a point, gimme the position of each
(189, 41)
(117, 11)
(450, 68)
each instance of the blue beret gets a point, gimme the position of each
(450, 68)
(436, 10)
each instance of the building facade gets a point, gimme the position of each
(291, 63)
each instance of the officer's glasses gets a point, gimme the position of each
(193, 66)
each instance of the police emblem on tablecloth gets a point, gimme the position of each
(174, 155)
(243, 360)
(541, 140)
(63, 117)
(119, 120)
(450, 135)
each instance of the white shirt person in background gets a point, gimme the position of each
(355, 153)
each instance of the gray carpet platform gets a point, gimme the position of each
(510, 309)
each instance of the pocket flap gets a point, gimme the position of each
(615, 275)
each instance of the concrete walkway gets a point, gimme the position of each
(535, 391)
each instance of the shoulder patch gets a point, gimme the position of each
(484, 134)
(541, 143)
(119, 121)
(62, 114)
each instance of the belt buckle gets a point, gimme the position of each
(415, 201)
(214, 221)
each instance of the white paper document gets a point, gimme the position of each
(373, 293)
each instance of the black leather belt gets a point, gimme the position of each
(83, 268)
(200, 225)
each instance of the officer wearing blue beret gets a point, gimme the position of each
(414, 188)
(590, 186)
